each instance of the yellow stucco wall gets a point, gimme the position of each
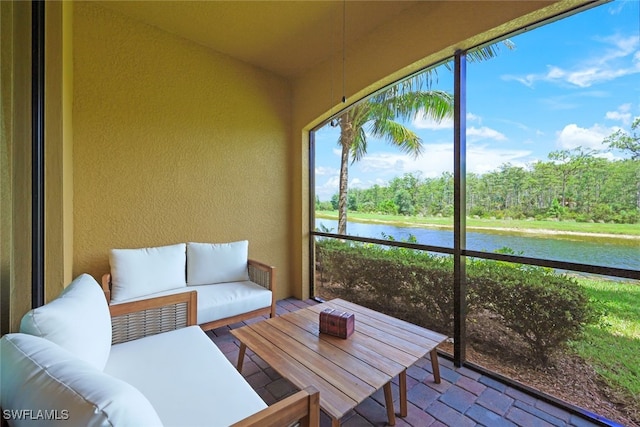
(15, 162)
(174, 143)
(58, 147)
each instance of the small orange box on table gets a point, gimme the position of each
(338, 323)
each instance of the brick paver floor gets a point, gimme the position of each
(463, 398)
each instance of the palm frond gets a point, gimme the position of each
(398, 135)
(484, 53)
(435, 104)
(359, 146)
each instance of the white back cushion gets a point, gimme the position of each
(209, 263)
(38, 375)
(145, 271)
(78, 320)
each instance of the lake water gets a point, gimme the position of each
(607, 252)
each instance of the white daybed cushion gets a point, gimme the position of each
(78, 320)
(229, 299)
(209, 263)
(144, 271)
(41, 376)
(186, 378)
(222, 299)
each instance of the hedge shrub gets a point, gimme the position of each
(543, 307)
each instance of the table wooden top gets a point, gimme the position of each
(345, 371)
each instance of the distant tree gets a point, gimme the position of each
(568, 163)
(403, 201)
(334, 202)
(627, 142)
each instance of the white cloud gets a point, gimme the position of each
(482, 159)
(475, 134)
(327, 189)
(473, 118)
(623, 114)
(356, 183)
(438, 158)
(383, 163)
(421, 121)
(608, 155)
(325, 171)
(619, 58)
(574, 136)
(527, 80)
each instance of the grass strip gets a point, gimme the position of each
(612, 346)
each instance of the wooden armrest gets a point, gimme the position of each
(260, 265)
(262, 274)
(106, 286)
(137, 319)
(265, 276)
(149, 303)
(302, 407)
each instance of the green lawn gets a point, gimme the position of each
(559, 226)
(613, 345)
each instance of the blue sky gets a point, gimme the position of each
(566, 84)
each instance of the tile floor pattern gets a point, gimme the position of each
(463, 398)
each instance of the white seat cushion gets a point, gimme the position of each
(222, 300)
(229, 299)
(209, 263)
(144, 271)
(39, 376)
(186, 378)
(78, 320)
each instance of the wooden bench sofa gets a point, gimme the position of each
(79, 362)
(230, 287)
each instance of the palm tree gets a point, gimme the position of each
(380, 114)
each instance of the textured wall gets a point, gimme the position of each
(58, 148)
(174, 143)
(15, 163)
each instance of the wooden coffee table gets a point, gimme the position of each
(345, 371)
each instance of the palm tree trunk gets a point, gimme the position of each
(346, 139)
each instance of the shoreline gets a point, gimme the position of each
(511, 230)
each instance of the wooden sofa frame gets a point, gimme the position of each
(137, 319)
(259, 273)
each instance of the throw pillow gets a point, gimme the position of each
(209, 263)
(57, 388)
(77, 320)
(146, 271)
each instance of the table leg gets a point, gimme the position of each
(435, 366)
(335, 422)
(388, 401)
(403, 393)
(243, 349)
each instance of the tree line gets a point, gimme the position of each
(571, 185)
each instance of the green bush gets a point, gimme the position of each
(408, 284)
(546, 309)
